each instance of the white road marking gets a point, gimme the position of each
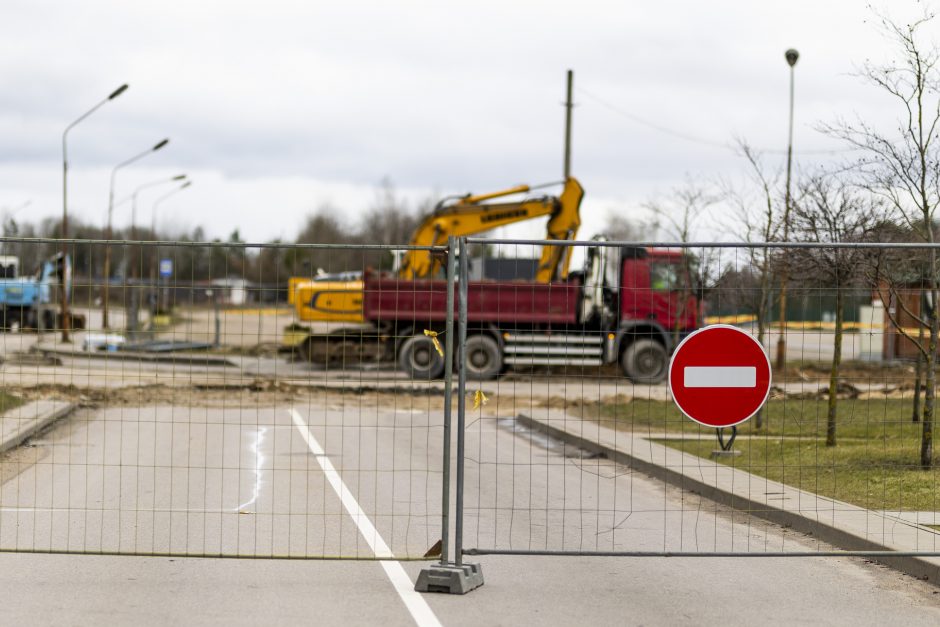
(417, 606)
(259, 462)
(719, 376)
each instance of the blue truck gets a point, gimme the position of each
(25, 301)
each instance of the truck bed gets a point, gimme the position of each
(392, 299)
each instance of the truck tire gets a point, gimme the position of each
(645, 361)
(484, 358)
(419, 359)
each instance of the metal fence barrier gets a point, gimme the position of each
(578, 448)
(480, 397)
(184, 407)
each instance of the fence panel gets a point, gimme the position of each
(183, 406)
(576, 447)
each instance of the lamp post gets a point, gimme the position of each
(137, 257)
(64, 301)
(153, 229)
(108, 235)
(178, 177)
(791, 56)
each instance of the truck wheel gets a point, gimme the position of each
(418, 357)
(484, 358)
(645, 361)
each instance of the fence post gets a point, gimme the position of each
(448, 399)
(453, 577)
(461, 396)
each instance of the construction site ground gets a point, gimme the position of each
(250, 338)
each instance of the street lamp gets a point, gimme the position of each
(153, 229)
(158, 201)
(64, 301)
(178, 177)
(108, 235)
(137, 256)
(791, 56)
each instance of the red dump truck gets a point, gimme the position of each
(628, 305)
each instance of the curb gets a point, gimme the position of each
(17, 425)
(205, 360)
(926, 568)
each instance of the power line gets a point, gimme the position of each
(688, 136)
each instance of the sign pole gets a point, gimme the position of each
(726, 446)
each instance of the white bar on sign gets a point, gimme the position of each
(720, 376)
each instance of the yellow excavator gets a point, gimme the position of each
(341, 301)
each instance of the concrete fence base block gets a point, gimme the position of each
(450, 578)
(721, 453)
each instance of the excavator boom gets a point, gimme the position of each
(470, 216)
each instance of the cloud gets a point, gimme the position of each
(295, 103)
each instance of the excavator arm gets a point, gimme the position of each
(470, 215)
(563, 225)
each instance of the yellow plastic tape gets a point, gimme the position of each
(437, 344)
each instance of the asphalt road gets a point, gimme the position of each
(308, 481)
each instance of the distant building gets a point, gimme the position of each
(233, 291)
(905, 305)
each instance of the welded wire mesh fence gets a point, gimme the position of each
(214, 400)
(579, 447)
(227, 399)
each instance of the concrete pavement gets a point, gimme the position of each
(205, 479)
(849, 526)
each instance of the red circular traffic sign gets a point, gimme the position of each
(719, 376)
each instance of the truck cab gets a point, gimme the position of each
(24, 298)
(658, 307)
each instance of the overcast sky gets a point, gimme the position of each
(277, 108)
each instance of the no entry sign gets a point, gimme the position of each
(719, 376)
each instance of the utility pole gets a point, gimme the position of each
(791, 56)
(568, 106)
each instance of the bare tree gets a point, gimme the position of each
(828, 211)
(902, 166)
(898, 275)
(324, 227)
(680, 213)
(621, 228)
(388, 221)
(758, 219)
